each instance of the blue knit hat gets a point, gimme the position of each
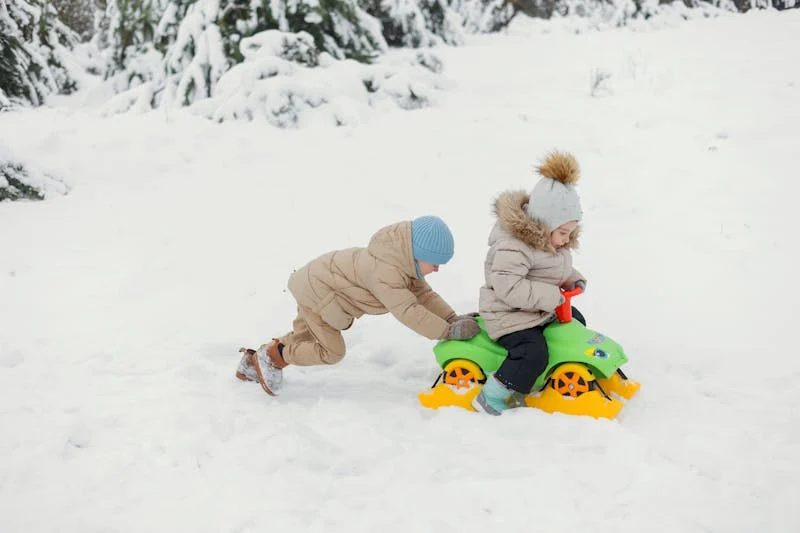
(431, 240)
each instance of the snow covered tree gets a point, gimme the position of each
(537, 8)
(202, 40)
(22, 75)
(124, 30)
(621, 13)
(486, 16)
(196, 60)
(286, 82)
(747, 5)
(169, 22)
(78, 15)
(34, 52)
(339, 27)
(417, 23)
(207, 40)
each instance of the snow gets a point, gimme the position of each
(125, 301)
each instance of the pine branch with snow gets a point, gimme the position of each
(20, 181)
(339, 27)
(414, 24)
(196, 60)
(34, 53)
(78, 15)
(587, 15)
(485, 16)
(124, 30)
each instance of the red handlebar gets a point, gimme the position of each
(564, 311)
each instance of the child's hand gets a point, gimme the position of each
(463, 329)
(580, 283)
(467, 315)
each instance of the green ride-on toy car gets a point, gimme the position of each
(583, 375)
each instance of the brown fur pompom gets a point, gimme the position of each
(560, 166)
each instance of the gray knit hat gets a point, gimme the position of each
(554, 200)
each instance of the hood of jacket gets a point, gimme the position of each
(512, 219)
(392, 245)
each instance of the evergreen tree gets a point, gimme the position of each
(200, 40)
(34, 52)
(444, 22)
(204, 43)
(78, 15)
(339, 27)
(169, 22)
(23, 75)
(124, 30)
(417, 23)
(486, 16)
(196, 60)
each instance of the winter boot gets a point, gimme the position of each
(269, 366)
(246, 371)
(265, 365)
(492, 397)
(517, 399)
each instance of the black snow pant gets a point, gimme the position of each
(527, 356)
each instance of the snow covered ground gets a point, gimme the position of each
(124, 302)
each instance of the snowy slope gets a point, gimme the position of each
(124, 302)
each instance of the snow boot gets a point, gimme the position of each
(492, 398)
(246, 371)
(265, 365)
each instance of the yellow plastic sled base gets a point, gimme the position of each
(590, 403)
(445, 396)
(625, 388)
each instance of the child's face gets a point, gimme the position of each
(427, 268)
(560, 235)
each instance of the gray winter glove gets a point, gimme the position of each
(463, 329)
(467, 315)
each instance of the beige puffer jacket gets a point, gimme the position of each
(343, 285)
(523, 271)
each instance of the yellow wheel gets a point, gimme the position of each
(571, 380)
(461, 374)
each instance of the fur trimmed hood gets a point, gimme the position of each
(510, 208)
